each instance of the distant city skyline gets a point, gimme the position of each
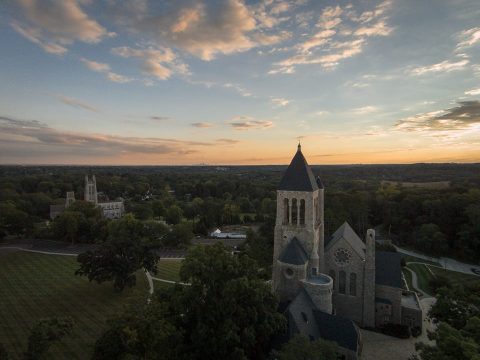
(186, 82)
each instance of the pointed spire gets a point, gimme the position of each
(299, 147)
(299, 176)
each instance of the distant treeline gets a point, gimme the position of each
(438, 220)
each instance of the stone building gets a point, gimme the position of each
(111, 209)
(331, 287)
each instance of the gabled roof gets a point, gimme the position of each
(294, 253)
(326, 326)
(338, 329)
(346, 232)
(299, 176)
(388, 269)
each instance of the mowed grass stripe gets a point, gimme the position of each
(169, 269)
(36, 286)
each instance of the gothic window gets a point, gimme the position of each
(289, 273)
(294, 212)
(342, 280)
(332, 275)
(353, 284)
(286, 211)
(302, 212)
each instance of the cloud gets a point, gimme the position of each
(469, 38)
(365, 110)
(444, 66)
(280, 101)
(95, 66)
(463, 116)
(105, 68)
(343, 34)
(202, 125)
(242, 91)
(161, 63)
(249, 123)
(160, 118)
(56, 23)
(76, 103)
(473, 92)
(30, 138)
(207, 29)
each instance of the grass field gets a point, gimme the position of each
(36, 286)
(408, 278)
(168, 269)
(423, 277)
(456, 277)
(409, 258)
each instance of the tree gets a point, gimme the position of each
(3, 353)
(146, 331)
(44, 333)
(174, 215)
(66, 225)
(301, 348)
(228, 311)
(180, 235)
(120, 256)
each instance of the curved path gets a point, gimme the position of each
(415, 283)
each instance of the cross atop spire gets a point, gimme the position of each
(298, 176)
(299, 147)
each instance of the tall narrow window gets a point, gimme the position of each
(332, 275)
(353, 284)
(294, 212)
(302, 212)
(342, 279)
(286, 211)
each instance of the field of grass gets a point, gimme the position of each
(409, 258)
(408, 277)
(423, 277)
(168, 269)
(455, 277)
(36, 286)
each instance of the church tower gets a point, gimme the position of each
(299, 229)
(91, 190)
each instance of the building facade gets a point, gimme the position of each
(341, 281)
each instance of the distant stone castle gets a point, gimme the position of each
(329, 288)
(111, 209)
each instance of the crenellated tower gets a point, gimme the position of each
(91, 190)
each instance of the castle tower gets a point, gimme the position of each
(369, 281)
(298, 243)
(70, 198)
(91, 190)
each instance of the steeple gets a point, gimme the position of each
(299, 176)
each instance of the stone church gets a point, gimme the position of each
(329, 287)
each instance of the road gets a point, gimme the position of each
(446, 263)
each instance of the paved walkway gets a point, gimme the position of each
(415, 282)
(446, 263)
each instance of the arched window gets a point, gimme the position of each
(302, 212)
(332, 275)
(294, 212)
(342, 280)
(286, 211)
(353, 284)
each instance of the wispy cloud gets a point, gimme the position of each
(340, 34)
(77, 103)
(469, 38)
(105, 68)
(249, 123)
(202, 125)
(55, 25)
(463, 116)
(160, 118)
(473, 92)
(365, 109)
(444, 66)
(160, 63)
(280, 101)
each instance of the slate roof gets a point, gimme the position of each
(388, 270)
(383, 301)
(346, 232)
(298, 176)
(338, 329)
(294, 253)
(326, 326)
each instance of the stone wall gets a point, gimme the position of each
(395, 297)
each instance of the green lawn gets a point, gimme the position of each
(408, 277)
(409, 258)
(456, 277)
(36, 286)
(423, 277)
(168, 269)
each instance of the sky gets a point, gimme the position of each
(144, 82)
